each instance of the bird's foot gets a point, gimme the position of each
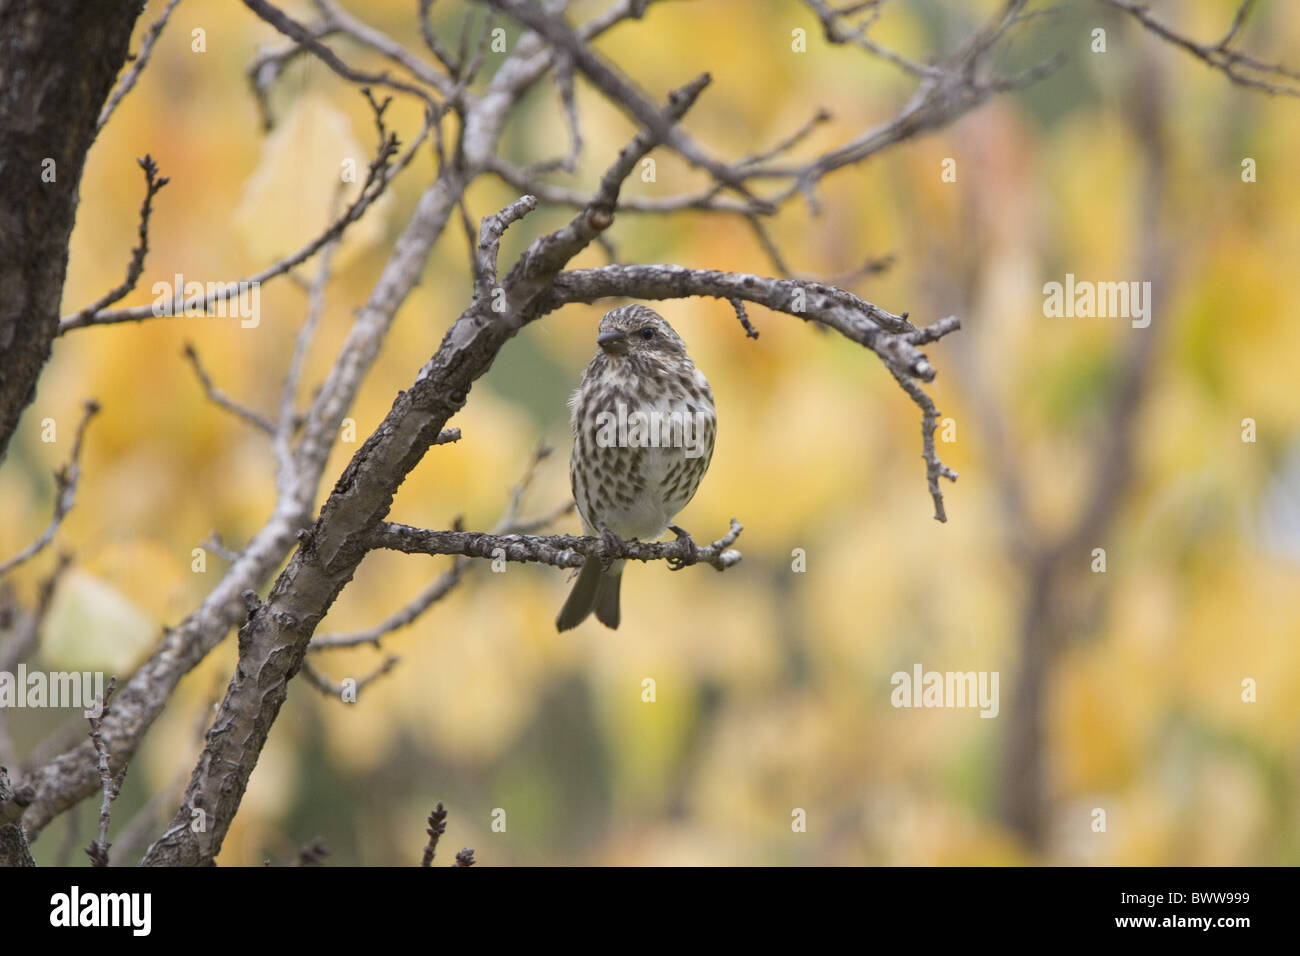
(611, 544)
(690, 553)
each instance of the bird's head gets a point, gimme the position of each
(636, 332)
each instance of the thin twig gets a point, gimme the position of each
(135, 267)
(382, 172)
(934, 467)
(312, 854)
(748, 326)
(307, 38)
(24, 633)
(351, 692)
(98, 850)
(437, 827)
(220, 398)
(270, 64)
(128, 79)
(431, 39)
(1241, 68)
(568, 99)
(65, 494)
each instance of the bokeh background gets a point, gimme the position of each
(772, 686)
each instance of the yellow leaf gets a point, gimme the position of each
(299, 185)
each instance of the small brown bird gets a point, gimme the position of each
(643, 433)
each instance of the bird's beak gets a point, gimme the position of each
(613, 342)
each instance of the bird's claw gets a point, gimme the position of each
(611, 544)
(690, 553)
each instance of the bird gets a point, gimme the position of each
(644, 426)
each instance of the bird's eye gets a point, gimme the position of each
(647, 334)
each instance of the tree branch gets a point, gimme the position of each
(14, 801)
(60, 60)
(65, 495)
(1241, 68)
(24, 632)
(66, 779)
(274, 640)
(557, 550)
(129, 78)
(509, 523)
(278, 633)
(112, 785)
(220, 398)
(337, 691)
(382, 171)
(308, 38)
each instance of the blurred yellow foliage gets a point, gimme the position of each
(772, 685)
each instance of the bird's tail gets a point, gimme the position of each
(595, 590)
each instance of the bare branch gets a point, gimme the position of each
(432, 42)
(1241, 68)
(790, 142)
(279, 630)
(339, 20)
(14, 802)
(436, 830)
(98, 850)
(1239, 21)
(59, 63)
(152, 184)
(434, 592)
(834, 24)
(270, 64)
(66, 779)
(437, 589)
(24, 633)
(215, 544)
(437, 827)
(489, 245)
(557, 550)
(381, 173)
(525, 180)
(890, 336)
(339, 691)
(564, 81)
(883, 332)
(65, 495)
(739, 306)
(274, 640)
(288, 420)
(1047, 623)
(934, 468)
(220, 398)
(308, 38)
(26, 630)
(548, 254)
(469, 70)
(128, 80)
(620, 90)
(932, 333)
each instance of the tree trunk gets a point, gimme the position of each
(58, 60)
